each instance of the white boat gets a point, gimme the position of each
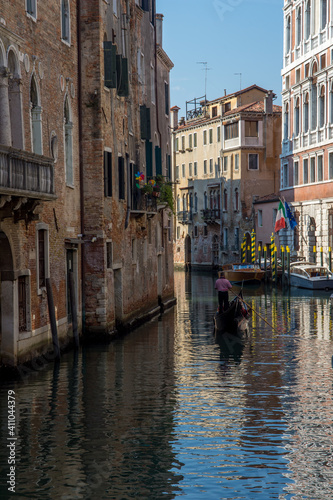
(311, 276)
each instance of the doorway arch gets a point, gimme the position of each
(8, 344)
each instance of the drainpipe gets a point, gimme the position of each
(82, 221)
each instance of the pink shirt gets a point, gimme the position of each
(223, 285)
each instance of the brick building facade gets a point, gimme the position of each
(75, 77)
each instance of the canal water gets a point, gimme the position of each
(167, 412)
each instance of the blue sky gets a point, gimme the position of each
(232, 36)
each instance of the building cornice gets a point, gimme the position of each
(164, 58)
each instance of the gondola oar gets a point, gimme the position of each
(248, 305)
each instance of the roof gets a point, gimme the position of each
(253, 107)
(268, 198)
(239, 92)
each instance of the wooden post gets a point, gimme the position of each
(248, 253)
(253, 246)
(330, 258)
(53, 321)
(244, 249)
(283, 264)
(72, 299)
(259, 256)
(321, 256)
(288, 264)
(314, 255)
(265, 262)
(273, 257)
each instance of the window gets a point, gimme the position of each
(320, 168)
(305, 171)
(306, 112)
(237, 161)
(190, 173)
(121, 178)
(195, 140)
(330, 166)
(177, 144)
(177, 172)
(195, 202)
(205, 201)
(183, 170)
(298, 26)
(218, 134)
(236, 236)
(312, 169)
(214, 111)
(141, 67)
(298, 75)
(210, 136)
(260, 218)
(42, 256)
(31, 6)
(296, 173)
(115, 7)
(36, 117)
(286, 122)
(323, 61)
(225, 163)
(183, 143)
(297, 117)
(313, 106)
(65, 21)
(225, 200)
(253, 161)
(195, 168)
(184, 203)
(236, 200)
(195, 231)
(322, 107)
(285, 173)
(205, 166)
(288, 35)
(231, 131)
(24, 303)
(227, 107)
(307, 19)
(178, 203)
(107, 173)
(204, 137)
(323, 7)
(110, 70)
(225, 237)
(68, 145)
(211, 168)
(109, 255)
(190, 141)
(251, 128)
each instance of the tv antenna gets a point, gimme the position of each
(206, 69)
(240, 80)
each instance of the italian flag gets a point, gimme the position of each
(280, 222)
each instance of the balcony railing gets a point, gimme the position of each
(26, 174)
(211, 214)
(141, 202)
(185, 217)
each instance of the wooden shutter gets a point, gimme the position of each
(122, 76)
(149, 159)
(110, 73)
(121, 178)
(158, 160)
(145, 122)
(107, 173)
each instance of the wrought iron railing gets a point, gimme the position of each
(185, 217)
(26, 174)
(143, 202)
(211, 214)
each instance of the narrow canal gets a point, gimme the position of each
(167, 412)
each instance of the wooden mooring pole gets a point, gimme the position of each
(53, 321)
(72, 299)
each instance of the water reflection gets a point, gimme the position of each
(167, 411)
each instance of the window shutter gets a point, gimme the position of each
(158, 160)
(122, 75)
(145, 122)
(121, 178)
(145, 5)
(110, 73)
(168, 158)
(149, 159)
(107, 173)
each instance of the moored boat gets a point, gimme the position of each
(311, 276)
(243, 272)
(233, 321)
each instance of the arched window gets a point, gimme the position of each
(298, 26)
(306, 112)
(211, 199)
(178, 203)
(36, 117)
(15, 98)
(288, 35)
(184, 203)
(225, 200)
(286, 122)
(191, 202)
(205, 201)
(236, 200)
(195, 202)
(322, 107)
(323, 14)
(307, 19)
(65, 21)
(68, 144)
(297, 117)
(314, 106)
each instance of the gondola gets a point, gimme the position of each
(234, 321)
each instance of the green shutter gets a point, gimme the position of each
(145, 122)
(110, 73)
(149, 159)
(145, 5)
(169, 166)
(122, 76)
(158, 160)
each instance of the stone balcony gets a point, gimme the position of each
(211, 215)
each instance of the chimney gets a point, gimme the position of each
(174, 112)
(225, 91)
(269, 102)
(159, 29)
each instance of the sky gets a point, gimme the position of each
(232, 37)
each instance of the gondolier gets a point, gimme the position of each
(222, 285)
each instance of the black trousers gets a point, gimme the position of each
(223, 301)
